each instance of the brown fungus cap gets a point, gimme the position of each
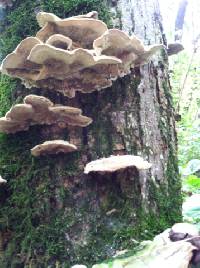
(60, 41)
(115, 163)
(130, 50)
(16, 63)
(82, 30)
(53, 147)
(71, 71)
(38, 110)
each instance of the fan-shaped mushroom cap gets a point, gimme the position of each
(2, 180)
(20, 112)
(82, 30)
(53, 147)
(39, 102)
(59, 41)
(114, 163)
(11, 126)
(16, 63)
(70, 115)
(71, 71)
(38, 110)
(129, 49)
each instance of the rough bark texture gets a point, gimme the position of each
(54, 215)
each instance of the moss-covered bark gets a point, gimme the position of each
(51, 214)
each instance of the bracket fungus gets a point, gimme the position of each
(38, 110)
(53, 147)
(83, 29)
(71, 71)
(75, 54)
(115, 163)
(2, 181)
(130, 50)
(16, 63)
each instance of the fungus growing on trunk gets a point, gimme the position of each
(38, 110)
(79, 70)
(82, 30)
(60, 41)
(53, 147)
(16, 63)
(2, 181)
(115, 163)
(75, 54)
(130, 50)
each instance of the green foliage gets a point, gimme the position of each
(185, 86)
(7, 86)
(193, 183)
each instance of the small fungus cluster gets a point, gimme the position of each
(38, 110)
(53, 147)
(75, 54)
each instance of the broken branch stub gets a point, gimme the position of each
(115, 163)
(38, 110)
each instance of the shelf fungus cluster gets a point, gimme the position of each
(38, 110)
(75, 54)
(53, 147)
(116, 163)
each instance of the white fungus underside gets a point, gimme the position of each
(114, 163)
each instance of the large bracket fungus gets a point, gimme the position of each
(115, 163)
(75, 54)
(130, 50)
(38, 110)
(83, 30)
(53, 147)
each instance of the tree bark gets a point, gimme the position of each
(63, 217)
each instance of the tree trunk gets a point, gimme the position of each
(55, 216)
